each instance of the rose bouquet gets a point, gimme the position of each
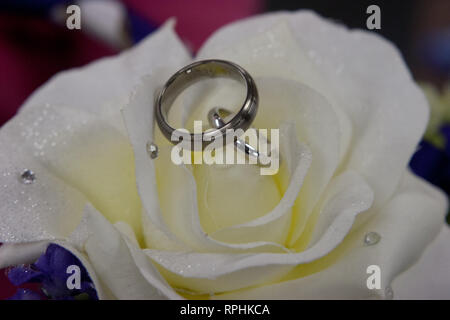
(79, 188)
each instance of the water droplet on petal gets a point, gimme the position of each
(152, 150)
(389, 293)
(371, 238)
(27, 176)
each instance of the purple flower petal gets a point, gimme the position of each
(50, 270)
(25, 294)
(21, 275)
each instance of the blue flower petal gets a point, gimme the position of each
(51, 271)
(21, 275)
(429, 162)
(25, 294)
(445, 130)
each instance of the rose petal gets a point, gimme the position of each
(186, 226)
(21, 253)
(181, 211)
(407, 224)
(266, 44)
(138, 117)
(321, 124)
(45, 209)
(42, 138)
(273, 225)
(120, 265)
(89, 156)
(206, 273)
(181, 208)
(359, 73)
(316, 125)
(428, 278)
(346, 188)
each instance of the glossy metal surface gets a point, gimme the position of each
(193, 73)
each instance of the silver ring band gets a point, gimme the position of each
(193, 73)
(216, 121)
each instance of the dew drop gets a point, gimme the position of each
(27, 176)
(152, 150)
(371, 238)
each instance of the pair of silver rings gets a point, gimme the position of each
(201, 70)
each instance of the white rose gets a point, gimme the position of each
(350, 117)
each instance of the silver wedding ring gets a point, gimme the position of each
(193, 73)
